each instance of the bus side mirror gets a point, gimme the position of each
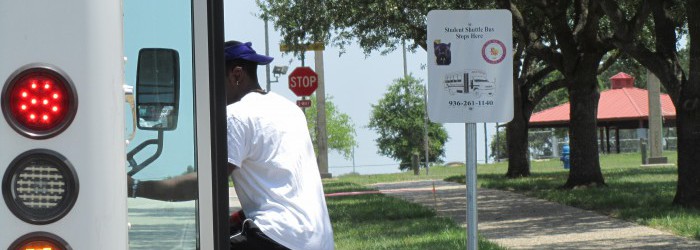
(157, 89)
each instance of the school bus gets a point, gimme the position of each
(95, 91)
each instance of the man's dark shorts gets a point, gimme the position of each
(247, 235)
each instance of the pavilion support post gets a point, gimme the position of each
(655, 122)
(602, 140)
(617, 139)
(607, 139)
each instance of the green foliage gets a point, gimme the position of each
(398, 118)
(376, 25)
(555, 98)
(339, 127)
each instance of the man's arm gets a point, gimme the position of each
(180, 188)
(231, 167)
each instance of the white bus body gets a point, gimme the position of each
(81, 38)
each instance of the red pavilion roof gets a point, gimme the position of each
(622, 104)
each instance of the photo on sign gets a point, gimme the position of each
(443, 54)
(493, 51)
(470, 82)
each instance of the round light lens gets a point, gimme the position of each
(39, 101)
(40, 241)
(39, 245)
(40, 186)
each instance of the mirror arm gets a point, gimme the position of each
(130, 156)
(129, 97)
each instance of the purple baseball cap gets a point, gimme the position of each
(245, 51)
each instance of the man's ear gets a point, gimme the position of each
(237, 72)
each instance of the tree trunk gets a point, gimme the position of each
(688, 121)
(518, 162)
(688, 125)
(585, 165)
(517, 138)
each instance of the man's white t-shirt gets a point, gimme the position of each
(277, 178)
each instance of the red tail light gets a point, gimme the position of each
(39, 101)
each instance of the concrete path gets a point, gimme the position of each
(233, 203)
(516, 221)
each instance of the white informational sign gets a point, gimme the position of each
(470, 66)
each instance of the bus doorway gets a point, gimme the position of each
(174, 140)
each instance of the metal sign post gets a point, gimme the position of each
(470, 80)
(470, 134)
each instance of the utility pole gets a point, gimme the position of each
(267, 53)
(321, 135)
(498, 139)
(426, 140)
(353, 160)
(405, 68)
(486, 146)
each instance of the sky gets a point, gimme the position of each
(354, 80)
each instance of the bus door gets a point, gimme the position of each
(172, 75)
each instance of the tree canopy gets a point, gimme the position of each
(398, 118)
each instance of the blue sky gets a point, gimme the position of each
(355, 82)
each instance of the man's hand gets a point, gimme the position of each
(129, 186)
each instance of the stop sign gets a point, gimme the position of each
(303, 81)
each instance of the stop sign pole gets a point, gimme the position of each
(303, 81)
(321, 137)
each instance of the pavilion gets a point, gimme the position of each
(621, 107)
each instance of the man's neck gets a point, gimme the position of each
(257, 90)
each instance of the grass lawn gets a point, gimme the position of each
(377, 221)
(638, 194)
(436, 173)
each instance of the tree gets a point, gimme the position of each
(671, 19)
(576, 48)
(530, 87)
(339, 127)
(398, 118)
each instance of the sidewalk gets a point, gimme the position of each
(516, 221)
(233, 203)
